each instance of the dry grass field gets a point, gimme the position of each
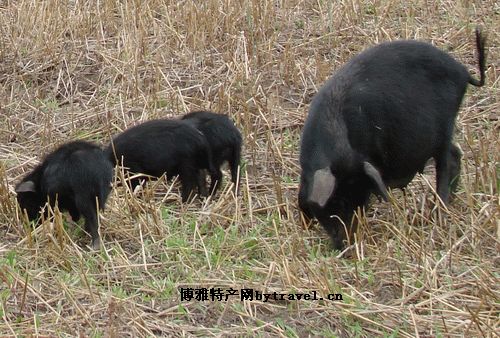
(89, 69)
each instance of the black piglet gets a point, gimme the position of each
(77, 175)
(224, 140)
(171, 147)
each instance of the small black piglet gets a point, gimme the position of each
(224, 140)
(171, 147)
(77, 175)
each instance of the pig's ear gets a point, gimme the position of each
(374, 174)
(322, 186)
(26, 186)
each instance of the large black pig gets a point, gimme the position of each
(375, 123)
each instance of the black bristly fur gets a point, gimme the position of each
(75, 174)
(393, 106)
(171, 147)
(224, 140)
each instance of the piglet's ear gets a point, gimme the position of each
(322, 186)
(374, 174)
(26, 186)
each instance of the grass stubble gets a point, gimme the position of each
(88, 70)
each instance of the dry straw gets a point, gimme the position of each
(90, 69)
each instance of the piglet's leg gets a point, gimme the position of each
(188, 176)
(87, 207)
